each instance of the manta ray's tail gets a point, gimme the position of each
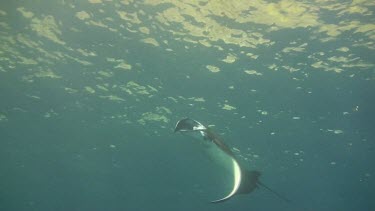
(274, 192)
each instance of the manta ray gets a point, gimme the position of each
(244, 181)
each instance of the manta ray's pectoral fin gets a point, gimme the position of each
(189, 125)
(192, 128)
(237, 180)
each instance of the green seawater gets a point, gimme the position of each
(90, 92)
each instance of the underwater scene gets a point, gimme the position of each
(97, 98)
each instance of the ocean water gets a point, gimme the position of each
(91, 91)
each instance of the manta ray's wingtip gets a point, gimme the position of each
(237, 173)
(188, 125)
(220, 200)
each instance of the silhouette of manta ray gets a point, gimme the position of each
(244, 181)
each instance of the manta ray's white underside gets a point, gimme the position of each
(236, 181)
